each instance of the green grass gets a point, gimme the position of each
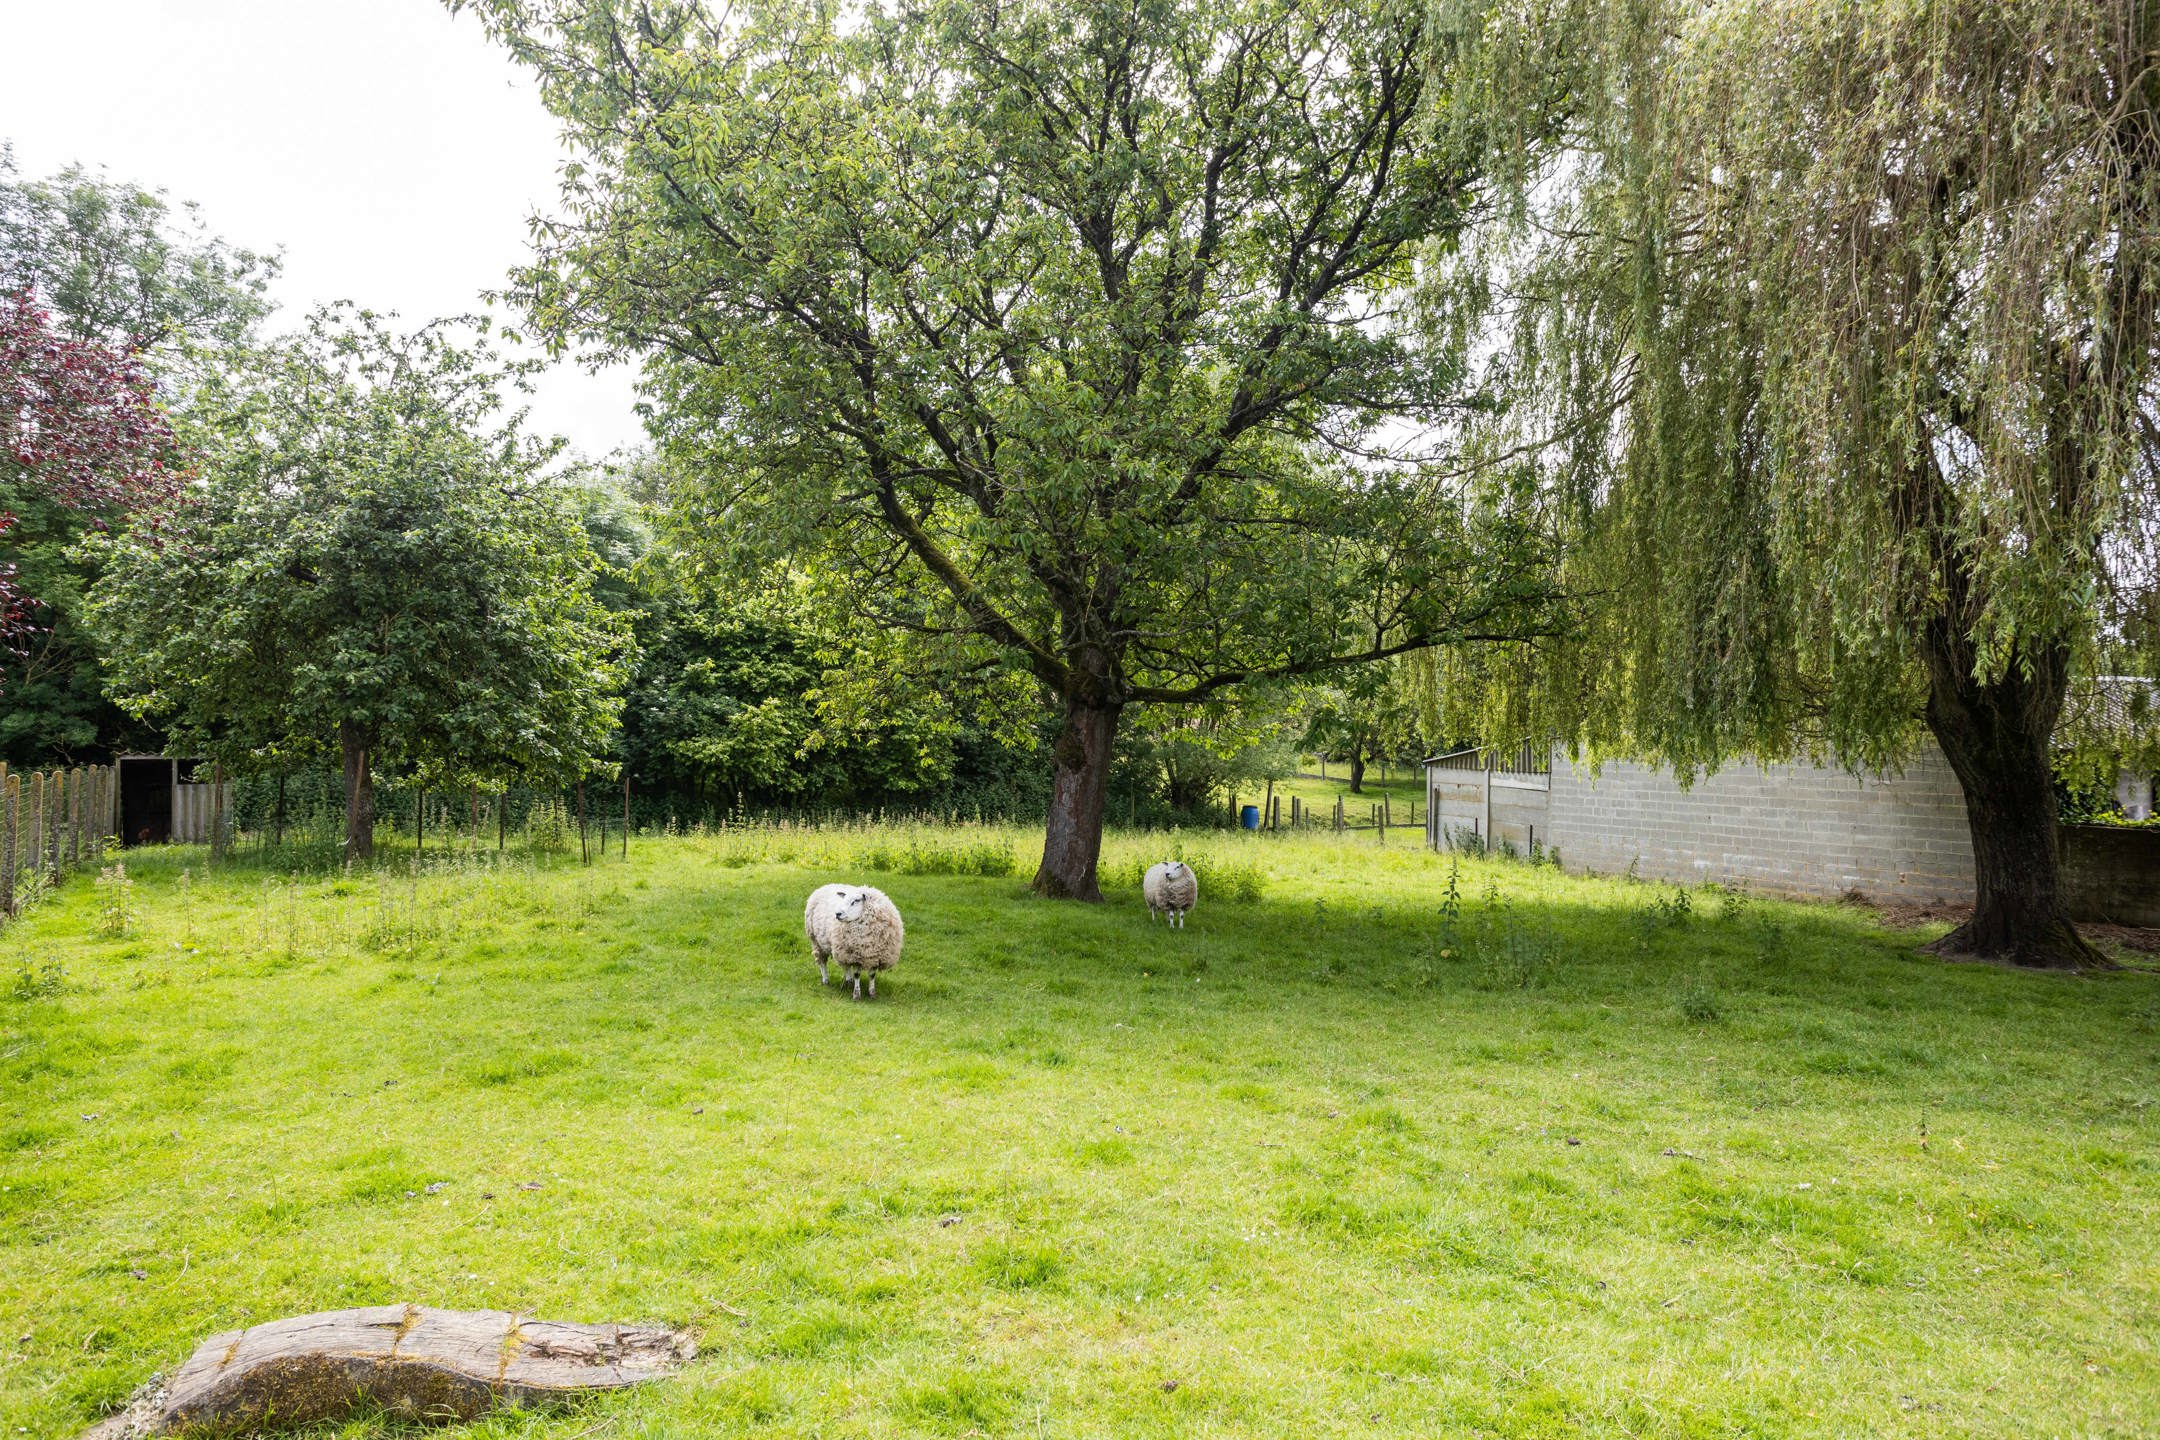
(1326, 1163)
(1403, 786)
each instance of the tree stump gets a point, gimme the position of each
(422, 1364)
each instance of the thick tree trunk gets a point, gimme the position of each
(1072, 838)
(1357, 764)
(359, 795)
(1996, 737)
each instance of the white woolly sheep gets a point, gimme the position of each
(856, 928)
(1170, 888)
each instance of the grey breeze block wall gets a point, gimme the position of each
(1793, 829)
(2111, 874)
(1456, 804)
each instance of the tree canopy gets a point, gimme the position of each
(1835, 346)
(119, 271)
(82, 442)
(375, 559)
(1063, 335)
(125, 266)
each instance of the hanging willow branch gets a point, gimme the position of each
(1882, 276)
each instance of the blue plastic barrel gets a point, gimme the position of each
(1249, 817)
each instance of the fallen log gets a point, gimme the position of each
(417, 1363)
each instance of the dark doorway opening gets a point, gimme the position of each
(146, 796)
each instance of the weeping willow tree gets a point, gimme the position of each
(1833, 336)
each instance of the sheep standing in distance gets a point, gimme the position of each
(1170, 888)
(856, 928)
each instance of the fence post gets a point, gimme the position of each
(217, 811)
(10, 822)
(41, 844)
(626, 815)
(584, 854)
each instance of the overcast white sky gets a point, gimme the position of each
(387, 148)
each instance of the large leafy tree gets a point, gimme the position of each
(117, 271)
(1369, 713)
(1061, 333)
(128, 267)
(81, 437)
(374, 560)
(1840, 320)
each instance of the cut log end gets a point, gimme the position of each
(415, 1362)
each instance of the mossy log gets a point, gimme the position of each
(423, 1364)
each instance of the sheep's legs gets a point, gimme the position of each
(873, 986)
(823, 977)
(858, 985)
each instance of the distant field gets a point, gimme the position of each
(1587, 1158)
(1402, 786)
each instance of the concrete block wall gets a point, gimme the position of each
(1789, 829)
(2111, 873)
(1520, 814)
(1455, 800)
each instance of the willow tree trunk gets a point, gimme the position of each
(1072, 837)
(359, 794)
(1996, 737)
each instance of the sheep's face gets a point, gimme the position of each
(1177, 870)
(851, 907)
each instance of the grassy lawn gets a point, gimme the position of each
(1590, 1161)
(1403, 786)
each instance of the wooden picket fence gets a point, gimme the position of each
(51, 822)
